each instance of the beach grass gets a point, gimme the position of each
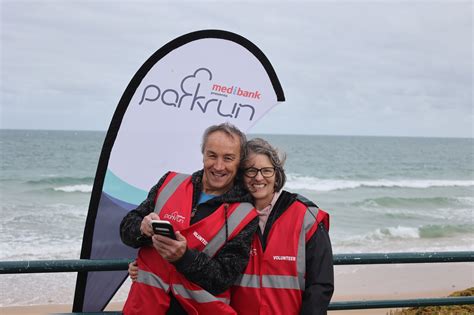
(441, 310)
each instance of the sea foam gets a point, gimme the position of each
(317, 184)
(421, 232)
(75, 188)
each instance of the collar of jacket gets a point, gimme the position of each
(236, 194)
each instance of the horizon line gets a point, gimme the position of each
(265, 133)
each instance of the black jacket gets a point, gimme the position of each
(319, 284)
(214, 274)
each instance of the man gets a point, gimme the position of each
(214, 230)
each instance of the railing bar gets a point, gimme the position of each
(81, 265)
(77, 265)
(373, 304)
(370, 304)
(403, 258)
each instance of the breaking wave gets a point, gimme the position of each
(316, 184)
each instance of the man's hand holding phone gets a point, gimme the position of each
(170, 245)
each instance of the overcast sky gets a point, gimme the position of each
(399, 68)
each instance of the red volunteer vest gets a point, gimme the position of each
(274, 280)
(157, 277)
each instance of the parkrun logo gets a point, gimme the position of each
(190, 96)
(175, 217)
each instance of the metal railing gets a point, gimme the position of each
(81, 265)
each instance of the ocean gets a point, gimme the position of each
(384, 194)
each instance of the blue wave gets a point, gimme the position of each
(119, 189)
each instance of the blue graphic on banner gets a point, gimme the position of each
(117, 188)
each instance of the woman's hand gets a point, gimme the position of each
(133, 270)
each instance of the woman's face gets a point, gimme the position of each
(260, 187)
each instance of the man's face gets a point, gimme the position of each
(221, 160)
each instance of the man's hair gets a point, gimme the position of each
(231, 131)
(277, 158)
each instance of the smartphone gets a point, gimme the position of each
(163, 227)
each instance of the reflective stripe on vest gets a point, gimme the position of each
(248, 281)
(308, 221)
(151, 279)
(270, 281)
(200, 296)
(232, 222)
(280, 282)
(169, 190)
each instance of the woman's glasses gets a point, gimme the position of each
(266, 172)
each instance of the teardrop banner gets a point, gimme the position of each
(196, 80)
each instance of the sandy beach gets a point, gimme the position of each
(386, 282)
(370, 282)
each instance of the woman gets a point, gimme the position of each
(290, 269)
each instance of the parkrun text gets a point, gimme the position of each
(190, 96)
